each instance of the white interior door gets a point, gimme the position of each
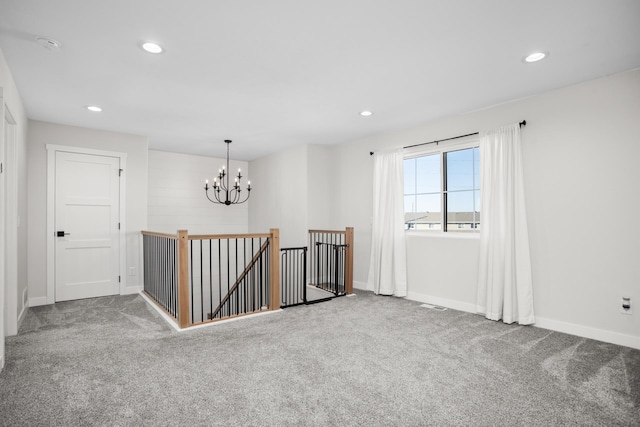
(87, 226)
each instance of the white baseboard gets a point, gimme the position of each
(130, 290)
(360, 285)
(541, 322)
(455, 305)
(174, 325)
(22, 313)
(165, 316)
(588, 332)
(36, 301)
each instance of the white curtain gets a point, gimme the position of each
(505, 289)
(387, 269)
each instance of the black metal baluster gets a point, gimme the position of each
(304, 275)
(165, 273)
(336, 254)
(219, 277)
(201, 286)
(244, 280)
(172, 278)
(191, 275)
(210, 279)
(145, 262)
(267, 276)
(155, 263)
(236, 293)
(292, 281)
(228, 278)
(260, 274)
(283, 278)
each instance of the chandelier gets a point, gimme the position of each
(230, 194)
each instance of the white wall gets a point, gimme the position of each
(14, 210)
(321, 186)
(41, 134)
(280, 196)
(581, 156)
(177, 198)
(295, 191)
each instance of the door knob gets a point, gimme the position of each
(61, 233)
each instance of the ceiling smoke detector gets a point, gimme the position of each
(48, 43)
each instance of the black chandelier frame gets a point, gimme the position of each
(223, 193)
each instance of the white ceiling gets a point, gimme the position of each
(273, 74)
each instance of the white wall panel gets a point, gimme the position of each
(280, 199)
(177, 199)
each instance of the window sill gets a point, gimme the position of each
(443, 235)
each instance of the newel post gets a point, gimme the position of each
(348, 274)
(274, 260)
(183, 278)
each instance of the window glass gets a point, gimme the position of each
(459, 170)
(409, 177)
(449, 177)
(460, 210)
(428, 174)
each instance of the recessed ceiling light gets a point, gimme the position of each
(535, 57)
(93, 108)
(152, 47)
(366, 113)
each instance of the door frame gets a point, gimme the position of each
(52, 149)
(11, 315)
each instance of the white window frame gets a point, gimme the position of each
(440, 148)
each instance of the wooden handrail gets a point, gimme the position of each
(328, 231)
(228, 236)
(208, 236)
(156, 234)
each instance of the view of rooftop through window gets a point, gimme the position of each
(444, 182)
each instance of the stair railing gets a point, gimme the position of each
(198, 279)
(331, 260)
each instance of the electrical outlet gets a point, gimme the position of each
(132, 271)
(626, 306)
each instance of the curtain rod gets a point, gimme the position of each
(522, 123)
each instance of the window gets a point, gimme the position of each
(442, 190)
